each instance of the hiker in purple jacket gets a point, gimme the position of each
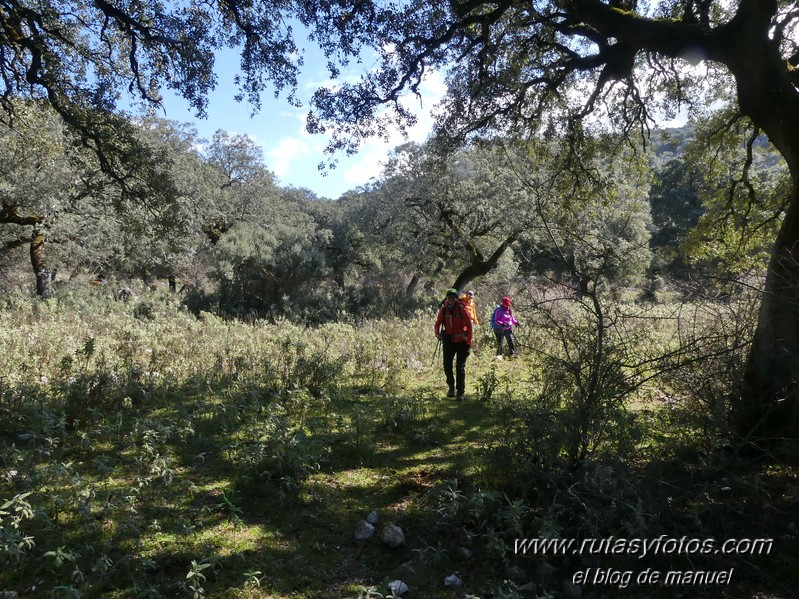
(503, 322)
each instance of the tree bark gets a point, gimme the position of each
(411, 288)
(481, 266)
(767, 411)
(44, 280)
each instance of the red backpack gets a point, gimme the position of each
(457, 315)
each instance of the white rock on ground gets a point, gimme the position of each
(393, 535)
(363, 530)
(398, 588)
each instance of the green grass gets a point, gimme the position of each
(185, 457)
(247, 448)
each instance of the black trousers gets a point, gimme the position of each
(505, 334)
(451, 351)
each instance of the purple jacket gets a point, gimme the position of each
(504, 319)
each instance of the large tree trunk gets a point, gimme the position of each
(766, 83)
(44, 280)
(480, 266)
(768, 410)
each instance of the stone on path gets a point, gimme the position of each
(393, 535)
(363, 530)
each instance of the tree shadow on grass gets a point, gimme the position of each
(218, 479)
(749, 507)
(390, 473)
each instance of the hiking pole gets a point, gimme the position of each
(435, 351)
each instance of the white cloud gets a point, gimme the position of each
(288, 151)
(368, 163)
(294, 158)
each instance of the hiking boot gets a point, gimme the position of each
(499, 356)
(460, 397)
(451, 393)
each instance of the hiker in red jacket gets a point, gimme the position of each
(454, 328)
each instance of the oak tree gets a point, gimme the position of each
(463, 209)
(513, 67)
(520, 68)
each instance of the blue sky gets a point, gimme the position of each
(279, 129)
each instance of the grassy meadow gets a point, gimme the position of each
(147, 452)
